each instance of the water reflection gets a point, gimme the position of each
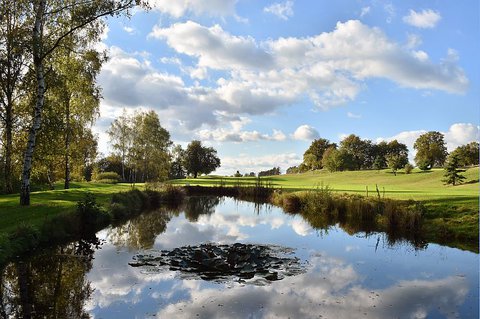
(331, 289)
(50, 285)
(346, 277)
(195, 206)
(141, 231)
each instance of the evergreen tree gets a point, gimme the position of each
(452, 171)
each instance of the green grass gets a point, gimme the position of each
(420, 186)
(46, 204)
(452, 210)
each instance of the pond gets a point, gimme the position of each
(267, 264)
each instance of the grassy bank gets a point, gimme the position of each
(83, 218)
(417, 186)
(449, 214)
(47, 204)
(450, 210)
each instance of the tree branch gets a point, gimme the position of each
(116, 10)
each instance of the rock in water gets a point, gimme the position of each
(236, 262)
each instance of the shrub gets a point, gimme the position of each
(291, 203)
(90, 215)
(111, 177)
(172, 194)
(408, 168)
(107, 181)
(24, 238)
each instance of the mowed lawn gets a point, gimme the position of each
(45, 204)
(423, 186)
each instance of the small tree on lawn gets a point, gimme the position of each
(452, 171)
(396, 162)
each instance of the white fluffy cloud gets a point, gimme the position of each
(282, 10)
(259, 77)
(213, 47)
(245, 163)
(330, 68)
(424, 19)
(234, 133)
(458, 134)
(178, 8)
(305, 133)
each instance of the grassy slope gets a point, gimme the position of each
(450, 209)
(45, 204)
(418, 185)
(456, 207)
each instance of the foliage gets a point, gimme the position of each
(452, 172)
(120, 133)
(431, 150)
(379, 163)
(467, 154)
(337, 160)
(177, 170)
(408, 168)
(49, 44)
(356, 154)
(108, 176)
(312, 158)
(270, 172)
(293, 170)
(396, 162)
(141, 148)
(360, 151)
(199, 159)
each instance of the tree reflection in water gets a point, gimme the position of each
(49, 285)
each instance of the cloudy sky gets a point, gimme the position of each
(258, 80)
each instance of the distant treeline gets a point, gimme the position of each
(353, 153)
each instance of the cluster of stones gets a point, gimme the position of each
(237, 262)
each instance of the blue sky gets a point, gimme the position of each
(258, 80)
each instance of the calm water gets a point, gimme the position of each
(346, 276)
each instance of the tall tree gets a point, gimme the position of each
(76, 92)
(452, 172)
(150, 146)
(53, 22)
(396, 156)
(14, 30)
(467, 154)
(360, 150)
(176, 166)
(141, 144)
(121, 138)
(200, 159)
(431, 150)
(312, 158)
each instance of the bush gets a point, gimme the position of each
(24, 238)
(90, 215)
(111, 177)
(408, 168)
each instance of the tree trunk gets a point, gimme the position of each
(11, 79)
(38, 61)
(195, 174)
(23, 274)
(3, 312)
(8, 147)
(67, 143)
(123, 166)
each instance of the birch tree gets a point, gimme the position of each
(53, 22)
